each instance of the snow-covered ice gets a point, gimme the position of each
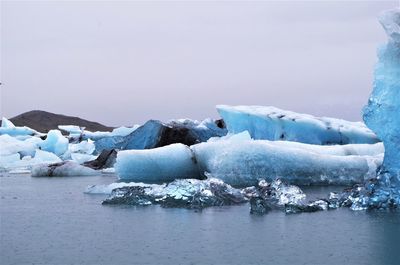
(270, 123)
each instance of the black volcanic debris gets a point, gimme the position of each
(106, 159)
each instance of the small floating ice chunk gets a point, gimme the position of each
(107, 189)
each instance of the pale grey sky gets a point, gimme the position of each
(122, 63)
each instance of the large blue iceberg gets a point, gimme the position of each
(270, 123)
(382, 115)
(241, 161)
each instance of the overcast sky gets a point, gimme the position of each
(122, 63)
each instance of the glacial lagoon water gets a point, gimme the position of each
(51, 221)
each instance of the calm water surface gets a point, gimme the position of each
(51, 221)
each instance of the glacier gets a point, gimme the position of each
(241, 161)
(270, 123)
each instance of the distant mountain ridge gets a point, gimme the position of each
(44, 121)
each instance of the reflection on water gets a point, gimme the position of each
(51, 221)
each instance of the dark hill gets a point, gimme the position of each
(44, 121)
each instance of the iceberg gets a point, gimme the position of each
(275, 195)
(199, 194)
(84, 147)
(65, 168)
(55, 143)
(15, 162)
(107, 189)
(157, 134)
(7, 127)
(160, 164)
(242, 162)
(270, 123)
(187, 193)
(80, 132)
(11, 145)
(382, 115)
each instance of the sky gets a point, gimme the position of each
(122, 63)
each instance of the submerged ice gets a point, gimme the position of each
(186, 193)
(198, 194)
